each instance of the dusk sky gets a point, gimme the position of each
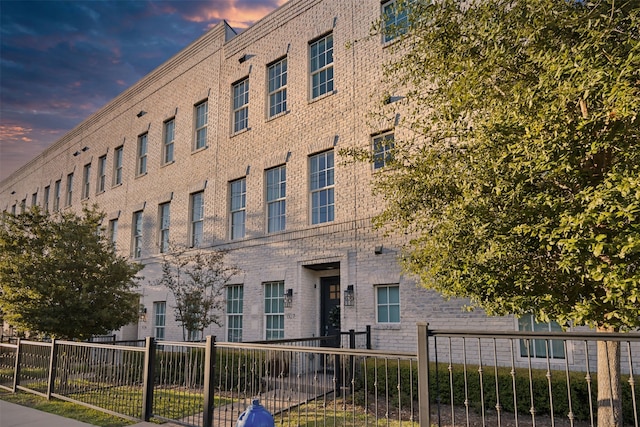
(60, 61)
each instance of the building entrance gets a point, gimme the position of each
(330, 307)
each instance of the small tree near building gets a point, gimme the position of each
(60, 276)
(197, 282)
(519, 176)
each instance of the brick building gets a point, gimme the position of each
(234, 144)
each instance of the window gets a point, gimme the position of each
(234, 313)
(86, 174)
(45, 201)
(276, 199)
(136, 246)
(56, 195)
(277, 75)
(141, 167)
(388, 303)
(241, 105)
(322, 182)
(382, 149)
(102, 174)
(396, 20)
(538, 348)
(13, 209)
(169, 136)
(201, 125)
(23, 205)
(197, 218)
(164, 226)
(159, 319)
(69, 197)
(113, 231)
(195, 336)
(117, 165)
(238, 205)
(34, 199)
(274, 310)
(321, 59)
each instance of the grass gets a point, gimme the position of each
(64, 409)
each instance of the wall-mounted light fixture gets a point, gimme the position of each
(85, 148)
(349, 296)
(141, 113)
(288, 298)
(377, 250)
(142, 313)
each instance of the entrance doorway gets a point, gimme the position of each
(330, 307)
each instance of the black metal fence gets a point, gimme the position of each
(455, 379)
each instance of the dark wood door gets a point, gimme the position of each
(330, 306)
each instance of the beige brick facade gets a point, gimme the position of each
(304, 253)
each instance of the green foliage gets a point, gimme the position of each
(197, 281)
(517, 162)
(60, 277)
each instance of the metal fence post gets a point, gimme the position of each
(368, 337)
(423, 374)
(52, 369)
(209, 380)
(148, 377)
(16, 371)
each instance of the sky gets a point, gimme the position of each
(61, 60)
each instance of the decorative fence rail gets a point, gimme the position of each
(455, 379)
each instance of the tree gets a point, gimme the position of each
(60, 277)
(197, 281)
(520, 172)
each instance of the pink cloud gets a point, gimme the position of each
(236, 16)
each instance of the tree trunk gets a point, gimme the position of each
(609, 386)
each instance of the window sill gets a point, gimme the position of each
(116, 185)
(197, 150)
(100, 192)
(323, 96)
(240, 132)
(141, 175)
(275, 116)
(167, 164)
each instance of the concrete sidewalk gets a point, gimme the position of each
(12, 415)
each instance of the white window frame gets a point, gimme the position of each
(117, 165)
(159, 319)
(168, 141)
(136, 234)
(387, 305)
(398, 22)
(277, 87)
(276, 197)
(240, 105)
(322, 187)
(164, 214)
(102, 174)
(45, 199)
(69, 193)
(381, 148)
(196, 234)
(237, 208)
(273, 310)
(141, 166)
(321, 75)
(34, 199)
(538, 347)
(235, 303)
(113, 231)
(201, 113)
(56, 195)
(86, 183)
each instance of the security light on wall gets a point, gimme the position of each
(288, 298)
(349, 296)
(142, 313)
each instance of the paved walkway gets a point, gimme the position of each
(12, 415)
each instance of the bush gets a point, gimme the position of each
(398, 381)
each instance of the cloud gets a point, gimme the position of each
(62, 60)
